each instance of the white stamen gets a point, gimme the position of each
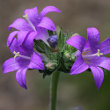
(91, 55)
(30, 23)
(17, 54)
(98, 53)
(25, 57)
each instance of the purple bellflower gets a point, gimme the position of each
(90, 54)
(34, 23)
(25, 58)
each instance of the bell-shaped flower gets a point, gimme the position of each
(90, 54)
(25, 58)
(34, 22)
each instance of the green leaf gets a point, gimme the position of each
(61, 39)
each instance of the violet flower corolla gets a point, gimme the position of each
(34, 23)
(90, 54)
(25, 58)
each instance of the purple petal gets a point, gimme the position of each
(36, 62)
(28, 42)
(95, 60)
(10, 38)
(49, 9)
(42, 34)
(21, 37)
(77, 53)
(98, 75)
(79, 66)
(21, 77)
(47, 23)
(33, 15)
(10, 65)
(24, 51)
(14, 45)
(93, 36)
(104, 46)
(77, 42)
(105, 63)
(20, 24)
(25, 39)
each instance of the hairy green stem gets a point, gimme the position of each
(53, 90)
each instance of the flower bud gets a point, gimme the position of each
(53, 41)
(67, 54)
(50, 65)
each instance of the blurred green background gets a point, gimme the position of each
(73, 91)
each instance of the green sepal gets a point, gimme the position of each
(51, 32)
(63, 55)
(41, 47)
(61, 39)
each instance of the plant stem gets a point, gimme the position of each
(53, 90)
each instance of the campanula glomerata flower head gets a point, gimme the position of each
(90, 54)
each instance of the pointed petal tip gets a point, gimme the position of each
(42, 67)
(25, 87)
(20, 24)
(71, 73)
(77, 42)
(67, 41)
(47, 23)
(3, 71)
(9, 28)
(53, 9)
(104, 46)
(98, 86)
(98, 75)
(49, 9)
(9, 66)
(21, 77)
(54, 29)
(11, 37)
(93, 36)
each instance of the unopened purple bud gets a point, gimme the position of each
(53, 41)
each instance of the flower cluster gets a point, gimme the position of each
(34, 48)
(20, 42)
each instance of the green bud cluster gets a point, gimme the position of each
(59, 58)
